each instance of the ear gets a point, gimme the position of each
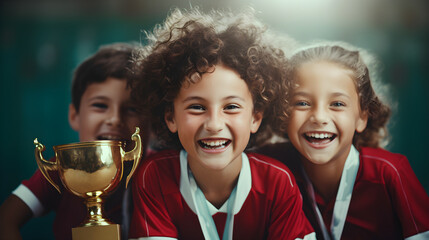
(362, 121)
(73, 117)
(256, 121)
(169, 120)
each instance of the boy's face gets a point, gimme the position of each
(214, 119)
(325, 113)
(105, 112)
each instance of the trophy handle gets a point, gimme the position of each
(44, 165)
(135, 154)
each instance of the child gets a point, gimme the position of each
(352, 188)
(101, 109)
(209, 81)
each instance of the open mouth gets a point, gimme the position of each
(214, 144)
(110, 137)
(319, 138)
(125, 142)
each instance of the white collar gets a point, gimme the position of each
(342, 200)
(344, 194)
(187, 189)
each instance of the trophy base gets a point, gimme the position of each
(108, 232)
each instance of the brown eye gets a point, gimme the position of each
(196, 107)
(231, 107)
(99, 105)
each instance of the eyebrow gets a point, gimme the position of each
(340, 94)
(98, 98)
(334, 94)
(299, 93)
(191, 98)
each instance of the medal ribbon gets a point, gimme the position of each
(207, 223)
(342, 200)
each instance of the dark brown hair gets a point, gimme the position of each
(114, 60)
(188, 45)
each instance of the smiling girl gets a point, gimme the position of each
(211, 86)
(353, 189)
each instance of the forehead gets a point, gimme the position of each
(111, 87)
(223, 81)
(109, 83)
(324, 75)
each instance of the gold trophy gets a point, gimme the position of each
(91, 170)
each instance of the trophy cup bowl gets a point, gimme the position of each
(90, 170)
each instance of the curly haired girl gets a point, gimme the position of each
(212, 87)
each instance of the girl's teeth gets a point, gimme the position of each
(319, 135)
(214, 143)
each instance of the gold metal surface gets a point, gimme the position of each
(108, 232)
(90, 170)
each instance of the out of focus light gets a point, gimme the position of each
(312, 15)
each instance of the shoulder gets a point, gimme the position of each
(382, 157)
(160, 158)
(269, 169)
(377, 162)
(263, 160)
(163, 163)
(368, 152)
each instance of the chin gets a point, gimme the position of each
(319, 163)
(317, 160)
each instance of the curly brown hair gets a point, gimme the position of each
(353, 59)
(190, 44)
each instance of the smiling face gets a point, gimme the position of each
(214, 119)
(105, 112)
(325, 112)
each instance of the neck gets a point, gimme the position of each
(217, 185)
(325, 177)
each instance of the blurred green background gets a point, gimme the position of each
(42, 41)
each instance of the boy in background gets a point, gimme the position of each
(101, 109)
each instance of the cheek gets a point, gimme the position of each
(241, 126)
(292, 132)
(294, 122)
(88, 121)
(188, 126)
(187, 137)
(86, 131)
(346, 122)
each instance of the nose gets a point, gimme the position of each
(319, 115)
(214, 122)
(114, 118)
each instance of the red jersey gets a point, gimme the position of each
(388, 201)
(268, 204)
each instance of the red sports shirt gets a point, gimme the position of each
(268, 203)
(388, 201)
